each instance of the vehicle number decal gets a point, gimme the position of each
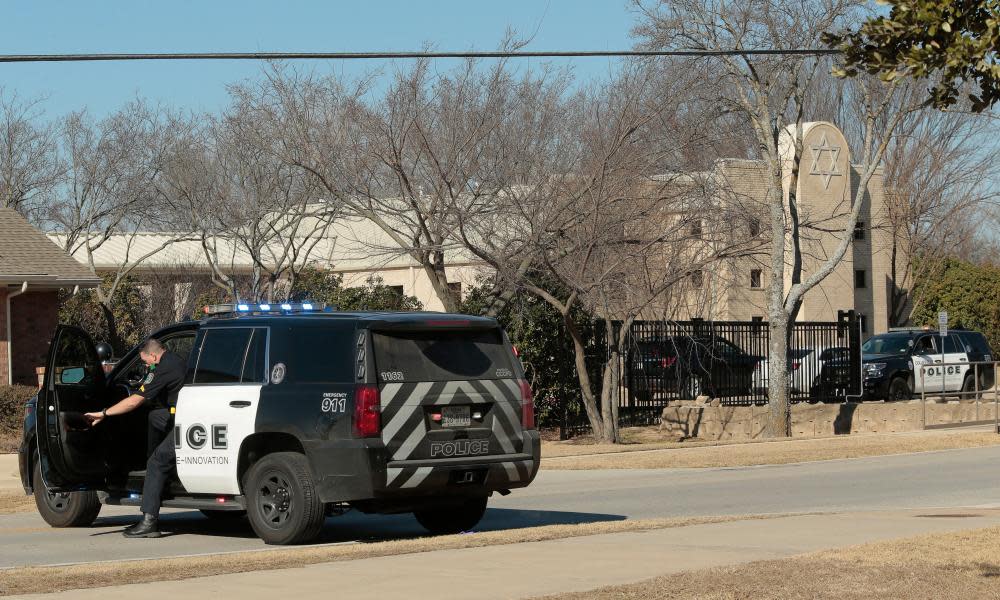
(334, 402)
(504, 373)
(392, 375)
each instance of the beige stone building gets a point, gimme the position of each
(827, 184)
(358, 249)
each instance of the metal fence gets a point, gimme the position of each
(950, 382)
(664, 361)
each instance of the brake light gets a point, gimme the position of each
(516, 353)
(795, 366)
(527, 406)
(449, 323)
(367, 412)
(668, 361)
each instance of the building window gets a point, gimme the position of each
(697, 279)
(859, 230)
(397, 290)
(696, 228)
(754, 226)
(860, 279)
(455, 288)
(755, 279)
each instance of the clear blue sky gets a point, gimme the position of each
(42, 27)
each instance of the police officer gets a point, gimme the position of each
(159, 391)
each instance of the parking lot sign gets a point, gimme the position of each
(943, 322)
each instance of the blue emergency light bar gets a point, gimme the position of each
(264, 308)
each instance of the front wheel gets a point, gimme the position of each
(452, 519)
(899, 390)
(70, 509)
(282, 502)
(969, 389)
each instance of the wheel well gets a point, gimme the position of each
(259, 445)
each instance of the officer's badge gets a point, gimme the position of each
(149, 379)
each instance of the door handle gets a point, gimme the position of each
(937, 361)
(239, 403)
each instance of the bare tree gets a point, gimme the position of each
(940, 184)
(29, 162)
(773, 95)
(108, 200)
(574, 198)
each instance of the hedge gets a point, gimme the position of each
(12, 399)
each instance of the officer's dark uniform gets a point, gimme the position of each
(160, 391)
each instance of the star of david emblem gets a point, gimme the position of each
(825, 168)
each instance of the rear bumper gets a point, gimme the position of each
(359, 470)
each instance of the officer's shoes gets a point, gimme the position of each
(148, 527)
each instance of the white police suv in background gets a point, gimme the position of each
(291, 414)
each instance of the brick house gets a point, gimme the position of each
(32, 271)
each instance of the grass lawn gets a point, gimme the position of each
(939, 566)
(676, 454)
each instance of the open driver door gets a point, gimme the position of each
(72, 453)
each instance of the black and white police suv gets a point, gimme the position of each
(291, 414)
(892, 363)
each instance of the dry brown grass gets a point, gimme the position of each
(14, 502)
(686, 455)
(939, 566)
(10, 441)
(32, 580)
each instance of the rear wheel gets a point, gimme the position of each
(452, 519)
(969, 389)
(71, 509)
(899, 390)
(282, 501)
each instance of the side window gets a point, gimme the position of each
(223, 355)
(254, 366)
(180, 345)
(952, 344)
(925, 345)
(76, 361)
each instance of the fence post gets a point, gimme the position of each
(923, 400)
(975, 376)
(996, 400)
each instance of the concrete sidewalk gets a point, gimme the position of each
(574, 564)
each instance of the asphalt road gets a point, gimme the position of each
(953, 478)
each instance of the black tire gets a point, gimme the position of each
(282, 502)
(452, 519)
(223, 515)
(969, 389)
(899, 389)
(73, 509)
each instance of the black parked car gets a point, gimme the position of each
(690, 366)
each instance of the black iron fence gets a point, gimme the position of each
(727, 361)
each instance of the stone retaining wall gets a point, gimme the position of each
(808, 420)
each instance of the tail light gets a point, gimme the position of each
(668, 361)
(367, 412)
(795, 366)
(527, 406)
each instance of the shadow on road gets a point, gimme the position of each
(354, 526)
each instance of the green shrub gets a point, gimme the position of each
(12, 399)
(967, 291)
(326, 286)
(128, 308)
(545, 349)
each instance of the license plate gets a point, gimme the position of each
(455, 416)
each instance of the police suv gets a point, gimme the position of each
(291, 413)
(892, 363)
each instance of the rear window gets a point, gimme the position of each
(977, 341)
(441, 355)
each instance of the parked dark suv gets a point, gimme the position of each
(290, 414)
(893, 363)
(690, 366)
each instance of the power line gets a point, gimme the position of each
(21, 58)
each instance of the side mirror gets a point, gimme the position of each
(104, 351)
(72, 376)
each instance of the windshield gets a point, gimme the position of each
(887, 344)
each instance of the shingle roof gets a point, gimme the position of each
(26, 254)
